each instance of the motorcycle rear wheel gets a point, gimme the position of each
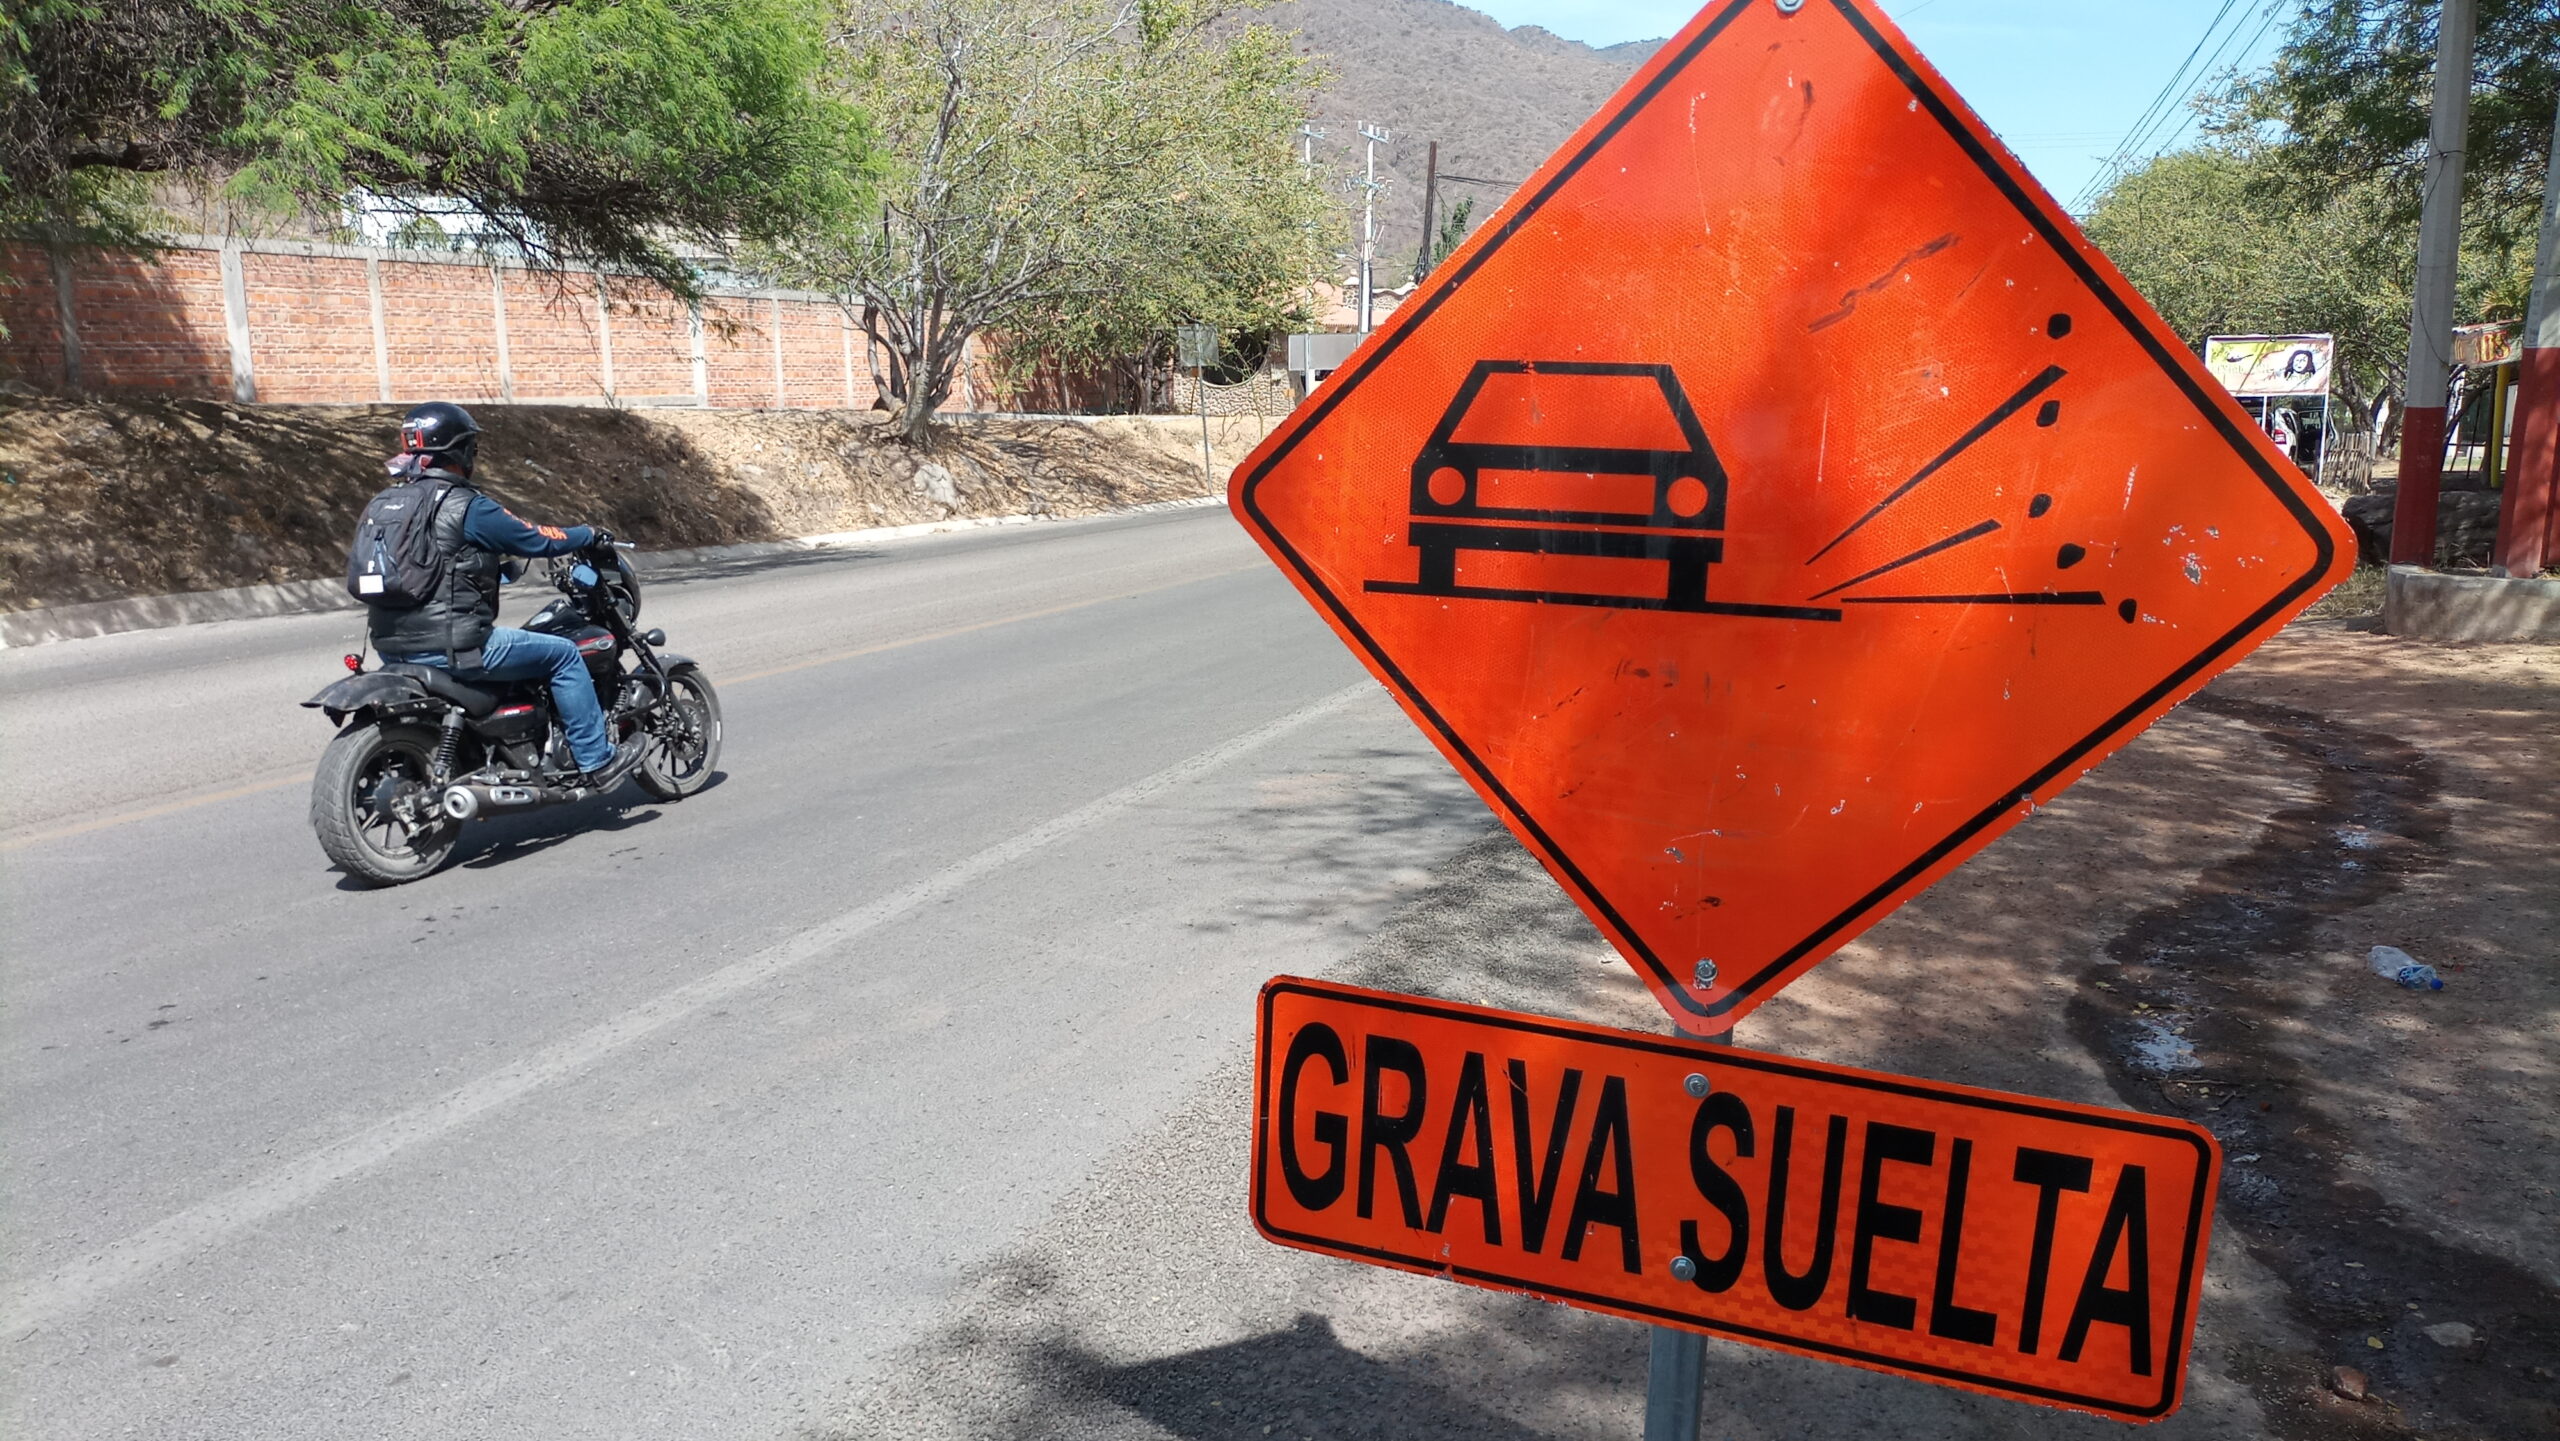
(374, 808)
(681, 738)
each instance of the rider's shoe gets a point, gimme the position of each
(605, 777)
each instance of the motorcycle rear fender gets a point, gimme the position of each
(369, 690)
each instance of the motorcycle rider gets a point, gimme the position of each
(458, 627)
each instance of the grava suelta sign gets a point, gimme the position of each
(2025, 1248)
(1777, 499)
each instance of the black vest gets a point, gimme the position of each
(458, 619)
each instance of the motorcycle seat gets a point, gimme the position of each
(444, 685)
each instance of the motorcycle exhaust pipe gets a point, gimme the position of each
(465, 803)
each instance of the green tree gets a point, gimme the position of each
(2344, 107)
(1074, 177)
(2221, 244)
(1453, 230)
(2218, 252)
(618, 131)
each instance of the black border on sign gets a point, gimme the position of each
(1972, 145)
(2172, 1376)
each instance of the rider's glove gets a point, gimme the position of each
(603, 538)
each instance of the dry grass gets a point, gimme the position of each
(108, 499)
(2359, 595)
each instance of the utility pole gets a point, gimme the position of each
(2422, 410)
(2529, 506)
(1376, 135)
(1308, 135)
(1427, 256)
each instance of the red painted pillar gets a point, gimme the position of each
(2528, 519)
(2529, 511)
(2551, 535)
(2413, 509)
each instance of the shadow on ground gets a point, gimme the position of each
(1301, 1381)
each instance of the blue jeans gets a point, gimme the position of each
(524, 655)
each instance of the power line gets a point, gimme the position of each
(2107, 169)
(2154, 143)
(2118, 161)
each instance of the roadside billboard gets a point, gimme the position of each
(2270, 364)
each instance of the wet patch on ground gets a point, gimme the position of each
(2177, 1008)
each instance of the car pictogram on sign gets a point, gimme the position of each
(1578, 421)
(1599, 459)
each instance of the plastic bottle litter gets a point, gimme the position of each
(2394, 964)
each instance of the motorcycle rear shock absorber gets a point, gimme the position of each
(448, 743)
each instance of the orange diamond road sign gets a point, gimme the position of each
(1777, 499)
(2026, 1248)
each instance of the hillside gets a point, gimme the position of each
(112, 498)
(1498, 101)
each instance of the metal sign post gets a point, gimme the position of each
(2274, 368)
(1675, 1374)
(2320, 465)
(1196, 345)
(1674, 1380)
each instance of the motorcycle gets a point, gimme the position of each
(420, 753)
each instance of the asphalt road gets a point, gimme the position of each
(656, 1121)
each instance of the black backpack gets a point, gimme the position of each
(395, 562)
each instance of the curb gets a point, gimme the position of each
(838, 540)
(2421, 604)
(43, 625)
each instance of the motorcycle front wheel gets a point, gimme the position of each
(374, 805)
(680, 740)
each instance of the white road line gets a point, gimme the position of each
(198, 1228)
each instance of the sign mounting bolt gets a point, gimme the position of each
(1696, 1086)
(1683, 1269)
(1706, 974)
(1789, 7)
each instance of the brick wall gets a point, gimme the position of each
(337, 324)
(310, 328)
(143, 325)
(439, 331)
(816, 363)
(553, 349)
(32, 349)
(652, 339)
(740, 355)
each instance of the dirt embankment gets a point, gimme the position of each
(101, 500)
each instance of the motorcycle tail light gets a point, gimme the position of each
(354, 662)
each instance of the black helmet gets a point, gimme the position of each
(443, 431)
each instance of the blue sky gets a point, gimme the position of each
(2062, 81)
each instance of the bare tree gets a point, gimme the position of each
(1042, 161)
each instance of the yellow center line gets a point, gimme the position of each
(303, 777)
